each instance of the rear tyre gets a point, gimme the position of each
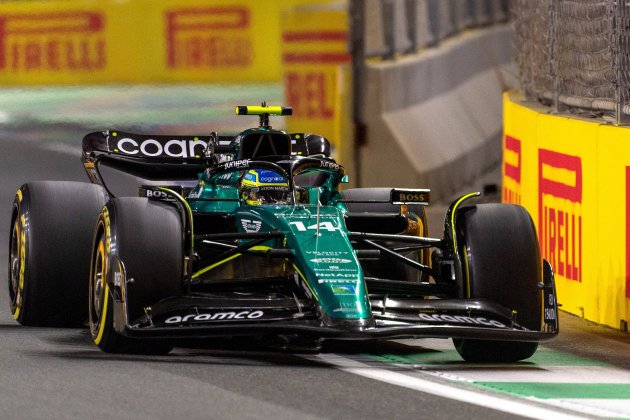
(52, 225)
(502, 263)
(144, 239)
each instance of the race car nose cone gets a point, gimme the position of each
(350, 325)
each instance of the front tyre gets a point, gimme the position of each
(501, 263)
(142, 239)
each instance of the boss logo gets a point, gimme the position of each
(409, 196)
(156, 194)
(412, 197)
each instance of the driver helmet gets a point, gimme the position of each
(259, 187)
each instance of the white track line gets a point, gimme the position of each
(498, 403)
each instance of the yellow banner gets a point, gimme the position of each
(613, 240)
(574, 178)
(142, 41)
(316, 65)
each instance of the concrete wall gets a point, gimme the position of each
(434, 119)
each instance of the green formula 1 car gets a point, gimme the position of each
(253, 236)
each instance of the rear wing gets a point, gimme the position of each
(153, 156)
(129, 145)
(174, 157)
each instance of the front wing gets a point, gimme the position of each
(212, 316)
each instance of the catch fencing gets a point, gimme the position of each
(393, 27)
(573, 55)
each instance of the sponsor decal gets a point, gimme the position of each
(196, 193)
(162, 148)
(343, 289)
(512, 170)
(220, 316)
(242, 163)
(272, 179)
(331, 260)
(345, 281)
(302, 283)
(53, 41)
(329, 165)
(346, 310)
(412, 197)
(398, 196)
(324, 269)
(251, 226)
(334, 274)
(156, 194)
(560, 212)
(199, 38)
(459, 319)
(328, 253)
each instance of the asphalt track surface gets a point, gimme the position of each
(59, 373)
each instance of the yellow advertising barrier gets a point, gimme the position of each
(316, 65)
(144, 41)
(613, 240)
(573, 176)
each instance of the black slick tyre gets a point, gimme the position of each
(49, 252)
(143, 239)
(502, 263)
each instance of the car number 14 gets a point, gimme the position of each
(322, 226)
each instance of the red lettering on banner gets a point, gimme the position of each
(512, 146)
(559, 211)
(56, 41)
(628, 232)
(208, 37)
(327, 40)
(307, 93)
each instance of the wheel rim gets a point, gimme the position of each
(98, 288)
(16, 264)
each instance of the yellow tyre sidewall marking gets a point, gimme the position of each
(102, 252)
(20, 226)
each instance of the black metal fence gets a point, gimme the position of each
(573, 55)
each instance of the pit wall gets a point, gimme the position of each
(434, 118)
(573, 175)
(141, 41)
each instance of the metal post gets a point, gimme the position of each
(553, 61)
(434, 21)
(387, 10)
(357, 47)
(412, 24)
(621, 117)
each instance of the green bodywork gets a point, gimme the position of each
(324, 259)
